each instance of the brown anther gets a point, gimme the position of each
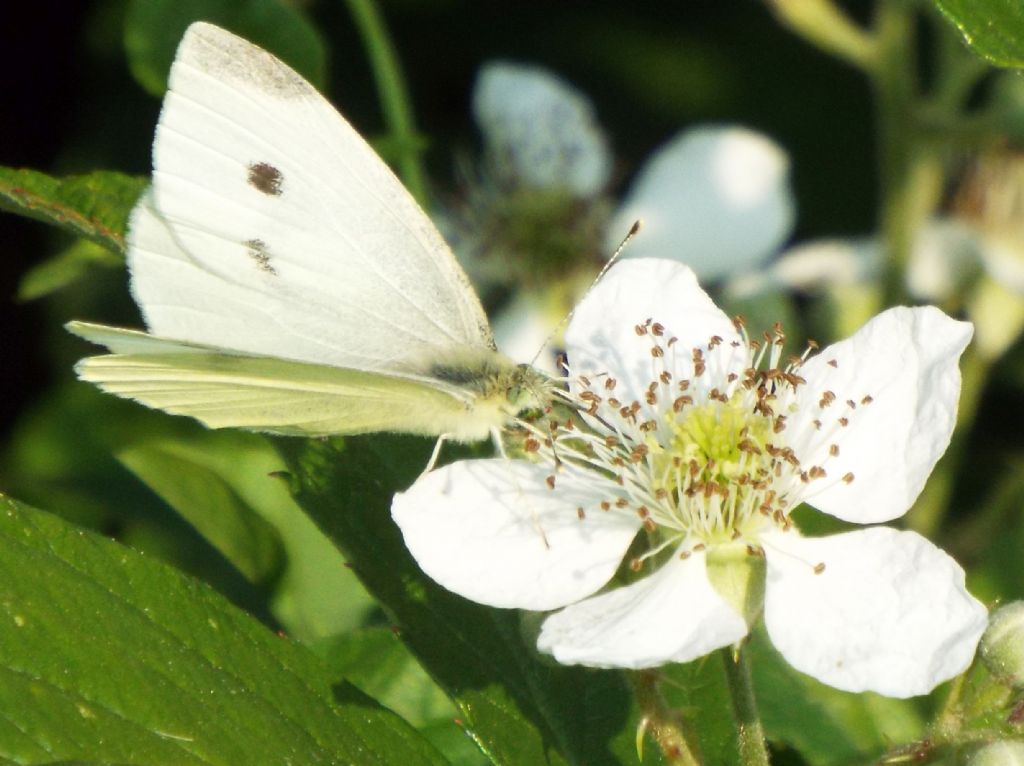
(851, 404)
(658, 329)
(636, 565)
(618, 461)
(589, 396)
(547, 442)
(657, 352)
(867, 399)
(715, 342)
(731, 377)
(647, 426)
(833, 450)
(817, 424)
(634, 408)
(605, 505)
(550, 481)
(817, 472)
(812, 344)
(642, 512)
(794, 380)
(610, 383)
(832, 363)
(531, 445)
(680, 402)
(651, 398)
(593, 408)
(848, 478)
(569, 425)
(819, 567)
(694, 468)
(621, 502)
(640, 330)
(804, 477)
(698, 369)
(844, 422)
(611, 441)
(698, 547)
(684, 555)
(684, 385)
(639, 452)
(665, 377)
(746, 445)
(650, 525)
(661, 493)
(780, 424)
(581, 514)
(826, 399)
(613, 402)
(672, 341)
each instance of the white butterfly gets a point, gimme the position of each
(289, 282)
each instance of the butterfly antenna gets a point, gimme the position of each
(633, 230)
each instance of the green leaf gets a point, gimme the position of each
(153, 29)
(519, 707)
(210, 505)
(827, 726)
(376, 661)
(65, 268)
(94, 206)
(224, 484)
(107, 655)
(993, 28)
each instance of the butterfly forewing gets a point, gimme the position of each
(274, 229)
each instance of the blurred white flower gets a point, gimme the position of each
(716, 198)
(705, 442)
(540, 220)
(539, 131)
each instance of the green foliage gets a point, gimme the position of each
(993, 28)
(828, 727)
(94, 206)
(107, 654)
(154, 27)
(520, 708)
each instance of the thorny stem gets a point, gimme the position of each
(663, 724)
(753, 751)
(394, 95)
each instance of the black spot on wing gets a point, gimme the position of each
(261, 255)
(265, 178)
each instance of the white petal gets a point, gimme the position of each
(717, 199)
(602, 338)
(672, 616)
(906, 361)
(889, 613)
(541, 129)
(492, 531)
(945, 254)
(827, 263)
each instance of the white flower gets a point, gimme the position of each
(715, 198)
(705, 443)
(540, 130)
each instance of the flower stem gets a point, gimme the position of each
(394, 95)
(827, 26)
(753, 751)
(662, 723)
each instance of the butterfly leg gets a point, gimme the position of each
(499, 445)
(434, 455)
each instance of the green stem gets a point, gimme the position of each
(662, 723)
(825, 25)
(394, 95)
(895, 95)
(753, 751)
